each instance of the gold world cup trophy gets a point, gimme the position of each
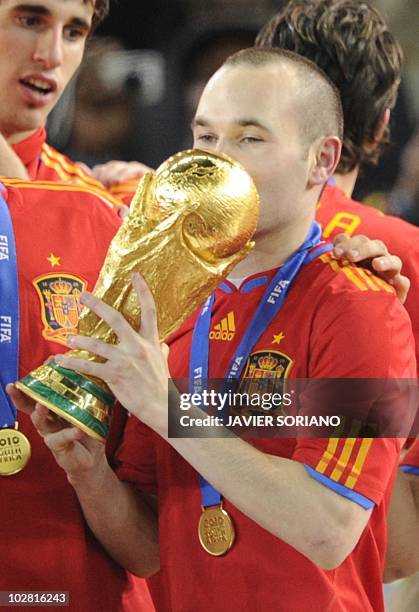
(191, 221)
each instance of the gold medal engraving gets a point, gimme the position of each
(216, 531)
(15, 451)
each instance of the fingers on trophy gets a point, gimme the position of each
(190, 222)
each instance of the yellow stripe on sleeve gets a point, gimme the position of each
(330, 451)
(327, 455)
(343, 460)
(369, 280)
(354, 278)
(346, 453)
(359, 462)
(64, 176)
(54, 157)
(63, 187)
(382, 283)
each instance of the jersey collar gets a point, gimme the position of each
(260, 279)
(30, 148)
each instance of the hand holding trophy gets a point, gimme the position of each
(190, 222)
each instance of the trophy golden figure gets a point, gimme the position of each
(190, 222)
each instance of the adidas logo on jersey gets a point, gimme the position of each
(225, 329)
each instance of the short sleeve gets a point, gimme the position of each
(370, 340)
(359, 469)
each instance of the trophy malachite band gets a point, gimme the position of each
(84, 383)
(62, 406)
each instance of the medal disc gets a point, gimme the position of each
(15, 451)
(216, 531)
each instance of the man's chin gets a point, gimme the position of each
(31, 119)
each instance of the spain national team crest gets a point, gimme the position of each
(265, 372)
(60, 306)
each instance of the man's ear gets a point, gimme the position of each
(324, 161)
(381, 128)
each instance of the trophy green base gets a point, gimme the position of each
(72, 396)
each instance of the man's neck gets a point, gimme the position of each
(10, 162)
(18, 137)
(346, 182)
(273, 248)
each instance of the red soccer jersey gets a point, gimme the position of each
(410, 463)
(336, 322)
(62, 234)
(44, 163)
(337, 213)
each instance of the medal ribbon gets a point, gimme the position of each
(268, 308)
(9, 314)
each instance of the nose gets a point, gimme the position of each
(222, 146)
(49, 48)
(227, 148)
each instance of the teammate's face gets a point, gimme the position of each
(248, 112)
(41, 46)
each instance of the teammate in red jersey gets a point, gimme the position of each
(309, 514)
(41, 44)
(42, 527)
(44, 163)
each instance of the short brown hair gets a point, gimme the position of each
(101, 10)
(351, 42)
(317, 98)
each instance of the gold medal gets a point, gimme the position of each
(15, 451)
(216, 530)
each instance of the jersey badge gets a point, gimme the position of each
(265, 372)
(60, 306)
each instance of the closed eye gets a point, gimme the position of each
(250, 139)
(205, 138)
